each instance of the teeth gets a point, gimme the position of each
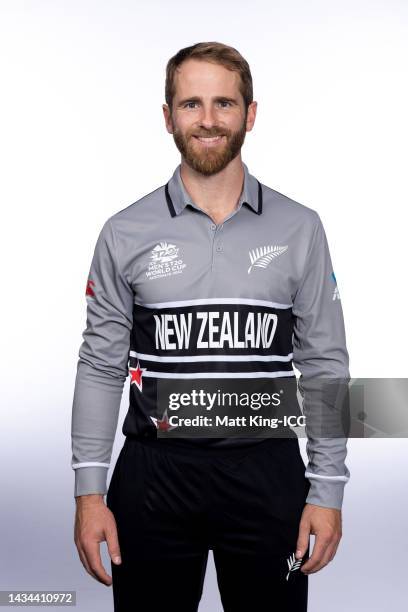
(207, 139)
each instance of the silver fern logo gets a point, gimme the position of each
(261, 257)
(293, 564)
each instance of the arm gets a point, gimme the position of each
(101, 373)
(102, 366)
(320, 354)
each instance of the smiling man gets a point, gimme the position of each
(213, 276)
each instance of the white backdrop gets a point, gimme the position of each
(82, 136)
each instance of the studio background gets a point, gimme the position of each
(83, 136)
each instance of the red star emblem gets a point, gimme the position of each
(163, 424)
(136, 376)
(89, 290)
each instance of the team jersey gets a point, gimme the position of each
(173, 296)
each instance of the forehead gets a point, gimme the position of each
(199, 77)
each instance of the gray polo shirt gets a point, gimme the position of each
(173, 296)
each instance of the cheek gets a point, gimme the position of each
(185, 125)
(231, 124)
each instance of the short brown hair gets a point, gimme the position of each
(217, 53)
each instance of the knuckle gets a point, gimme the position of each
(86, 541)
(112, 538)
(112, 542)
(328, 536)
(112, 532)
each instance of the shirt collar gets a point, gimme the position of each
(178, 198)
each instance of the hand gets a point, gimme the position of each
(95, 523)
(325, 524)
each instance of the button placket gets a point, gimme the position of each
(217, 248)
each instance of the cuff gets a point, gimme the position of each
(90, 480)
(326, 493)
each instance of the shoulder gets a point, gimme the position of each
(282, 210)
(147, 204)
(133, 221)
(276, 202)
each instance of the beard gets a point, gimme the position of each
(208, 160)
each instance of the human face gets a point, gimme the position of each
(208, 121)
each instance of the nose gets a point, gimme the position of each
(208, 117)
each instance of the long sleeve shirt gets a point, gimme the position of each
(173, 296)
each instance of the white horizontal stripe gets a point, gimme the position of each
(90, 464)
(311, 475)
(150, 374)
(221, 300)
(192, 358)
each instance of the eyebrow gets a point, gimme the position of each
(216, 99)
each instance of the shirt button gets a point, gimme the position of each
(213, 226)
(219, 248)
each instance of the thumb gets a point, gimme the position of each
(113, 545)
(303, 539)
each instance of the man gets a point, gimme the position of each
(212, 249)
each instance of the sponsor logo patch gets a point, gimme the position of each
(336, 294)
(164, 261)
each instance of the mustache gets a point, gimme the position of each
(210, 134)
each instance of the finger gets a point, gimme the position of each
(320, 545)
(335, 547)
(113, 544)
(326, 558)
(303, 539)
(85, 563)
(329, 554)
(92, 552)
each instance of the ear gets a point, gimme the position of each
(251, 115)
(167, 118)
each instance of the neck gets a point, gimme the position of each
(218, 194)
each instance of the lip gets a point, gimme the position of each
(207, 142)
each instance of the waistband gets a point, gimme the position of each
(189, 449)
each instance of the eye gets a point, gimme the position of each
(222, 102)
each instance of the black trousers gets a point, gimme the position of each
(172, 505)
